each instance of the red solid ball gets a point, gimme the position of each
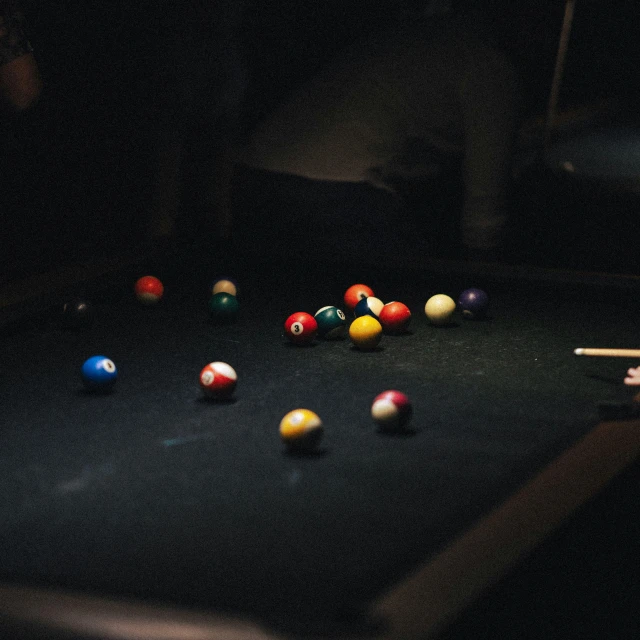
(148, 289)
(301, 328)
(355, 293)
(395, 317)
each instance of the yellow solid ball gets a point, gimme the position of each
(301, 430)
(439, 309)
(365, 332)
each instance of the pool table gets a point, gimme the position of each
(154, 512)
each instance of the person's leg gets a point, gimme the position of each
(200, 93)
(166, 188)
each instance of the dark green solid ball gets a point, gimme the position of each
(223, 307)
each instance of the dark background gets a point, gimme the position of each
(77, 170)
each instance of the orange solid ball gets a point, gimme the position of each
(355, 293)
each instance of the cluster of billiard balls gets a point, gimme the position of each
(372, 317)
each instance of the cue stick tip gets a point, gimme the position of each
(579, 351)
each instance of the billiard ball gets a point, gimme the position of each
(391, 410)
(77, 314)
(218, 380)
(365, 332)
(223, 308)
(301, 430)
(439, 309)
(331, 322)
(99, 373)
(369, 306)
(224, 285)
(395, 317)
(473, 303)
(355, 293)
(301, 328)
(149, 290)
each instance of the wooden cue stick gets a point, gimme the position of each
(558, 70)
(611, 353)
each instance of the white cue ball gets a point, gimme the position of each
(439, 309)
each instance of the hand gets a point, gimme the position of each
(633, 377)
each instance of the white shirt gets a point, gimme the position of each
(374, 115)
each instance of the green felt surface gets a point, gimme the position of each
(152, 491)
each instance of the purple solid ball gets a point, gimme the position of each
(473, 303)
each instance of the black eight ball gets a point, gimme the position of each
(77, 314)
